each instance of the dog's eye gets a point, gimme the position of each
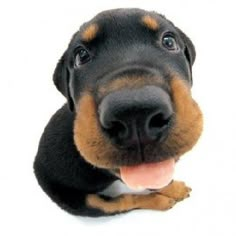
(169, 42)
(82, 56)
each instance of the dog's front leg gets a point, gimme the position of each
(127, 202)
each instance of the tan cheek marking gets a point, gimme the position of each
(150, 22)
(88, 137)
(189, 121)
(129, 202)
(90, 33)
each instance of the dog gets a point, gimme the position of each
(127, 78)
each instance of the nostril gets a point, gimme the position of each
(158, 122)
(118, 129)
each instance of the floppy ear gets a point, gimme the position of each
(189, 50)
(61, 78)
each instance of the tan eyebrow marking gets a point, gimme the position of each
(90, 33)
(150, 22)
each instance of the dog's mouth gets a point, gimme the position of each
(148, 175)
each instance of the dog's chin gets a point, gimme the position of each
(155, 175)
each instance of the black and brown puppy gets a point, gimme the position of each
(127, 78)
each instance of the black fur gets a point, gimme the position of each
(60, 169)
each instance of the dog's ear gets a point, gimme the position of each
(61, 78)
(189, 50)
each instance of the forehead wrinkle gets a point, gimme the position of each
(90, 32)
(150, 22)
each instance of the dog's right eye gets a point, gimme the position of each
(81, 57)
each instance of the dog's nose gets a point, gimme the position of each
(136, 115)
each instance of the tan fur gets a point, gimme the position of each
(188, 121)
(176, 190)
(128, 83)
(128, 202)
(150, 22)
(90, 33)
(88, 137)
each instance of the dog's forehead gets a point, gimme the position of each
(120, 21)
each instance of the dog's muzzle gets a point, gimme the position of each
(136, 116)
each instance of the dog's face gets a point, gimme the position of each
(127, 76)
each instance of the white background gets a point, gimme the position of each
(34, 35)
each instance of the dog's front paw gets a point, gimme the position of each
(156, 201)
(176, 190)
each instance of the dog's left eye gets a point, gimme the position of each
(82, 56)
(169, 42)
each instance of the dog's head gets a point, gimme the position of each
(127, 76)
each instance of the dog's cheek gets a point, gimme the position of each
(188, 119)
(88, 137)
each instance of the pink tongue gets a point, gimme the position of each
(152, 176)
